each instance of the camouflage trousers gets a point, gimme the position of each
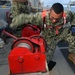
(49, 52)
(71, 42)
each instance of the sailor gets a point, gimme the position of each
(51, 23)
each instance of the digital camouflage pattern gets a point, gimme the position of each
(52, 39)
(20, 18)
(49, 34)
(71, 40)
(18, 8)
(21, 15)
(71, 49)
(71, 17)
(70, 37)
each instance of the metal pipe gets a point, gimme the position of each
(9, 34)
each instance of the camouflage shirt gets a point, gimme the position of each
(36, 19)
(18, 8)
(70, 17)
(71, 41)
(48, 33)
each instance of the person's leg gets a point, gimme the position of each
(49, 55)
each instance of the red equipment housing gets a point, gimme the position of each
(30, 30)
(28, 52)
(28, 55)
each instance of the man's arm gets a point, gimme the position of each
(22, 19)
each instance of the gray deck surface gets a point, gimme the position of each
(61, 67)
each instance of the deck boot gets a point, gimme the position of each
(51, 65)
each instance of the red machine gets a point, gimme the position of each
(30, 30)
(28, 52)
(28, 55)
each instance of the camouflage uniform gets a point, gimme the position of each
(21, 15)
(70, 37)
(71, 17)
(48, 33)
(18, 8)
(71, 42)
(22, 19)
(51, 38)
